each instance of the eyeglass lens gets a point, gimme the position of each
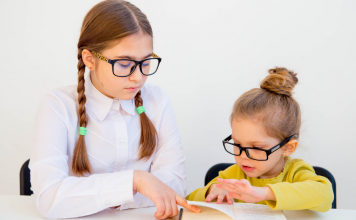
(252, 153)
(125, 67)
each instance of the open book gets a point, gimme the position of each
(236, 211)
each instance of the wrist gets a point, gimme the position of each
(138, 176)
(269, 194)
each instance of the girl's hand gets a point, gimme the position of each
(242, 190)
(221, 195)
(164, 197)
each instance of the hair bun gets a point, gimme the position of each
(280, 81)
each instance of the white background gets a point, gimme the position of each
(212, 52)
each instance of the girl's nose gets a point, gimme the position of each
(136, 75)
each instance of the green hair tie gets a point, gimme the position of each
(140, 110)
(82, 131)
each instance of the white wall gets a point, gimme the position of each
(212, 51)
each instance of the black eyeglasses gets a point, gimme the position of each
(125, 67)
(253, 153)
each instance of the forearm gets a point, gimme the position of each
(63, 196)
(312, 195)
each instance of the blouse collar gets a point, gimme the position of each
(100, 104)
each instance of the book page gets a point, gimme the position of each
(205, 214)
(224, 207)
(247, 211)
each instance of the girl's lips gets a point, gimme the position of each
(132, 89)
(247, 168)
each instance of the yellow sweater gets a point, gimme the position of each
(297, 187)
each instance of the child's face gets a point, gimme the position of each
(135, 47)
(251, 133)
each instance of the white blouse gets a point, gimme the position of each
(112, 141)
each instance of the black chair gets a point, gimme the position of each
(25, 183)
(325, 173)
(214, 172)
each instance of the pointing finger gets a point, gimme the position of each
(182, 202)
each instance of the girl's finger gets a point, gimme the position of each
(182, 202)
(168, 205)
(229, 199)
(211, 196)
(220, 198)
(235, 195)
(243, 182)
(161, 208)
(231, 181)
(226, 187)
(174, 208)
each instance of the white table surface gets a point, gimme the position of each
(24, 208)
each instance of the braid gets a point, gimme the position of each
(148, 139)
(81, 163)
(81, 95)
(138, 99)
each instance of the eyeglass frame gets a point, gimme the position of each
(268, 152)
(112, 62)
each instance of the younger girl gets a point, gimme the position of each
(265, 131)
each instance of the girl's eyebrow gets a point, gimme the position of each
(132, 58)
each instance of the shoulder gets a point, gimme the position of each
(60, 100)
(298, 168)
(299, 164)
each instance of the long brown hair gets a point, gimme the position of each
(106, 23)
(273, 104)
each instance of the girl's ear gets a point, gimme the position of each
(290, 147)
(88, 58)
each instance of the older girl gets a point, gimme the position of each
(112, 140)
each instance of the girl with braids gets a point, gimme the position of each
(265, 126)
(111, 141)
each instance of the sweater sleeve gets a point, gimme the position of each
(201, 193)
(303, 189)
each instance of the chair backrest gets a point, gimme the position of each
(214, 172)
(25, 182)
(325, 173)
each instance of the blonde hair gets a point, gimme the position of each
(273, 104)
(104, 24)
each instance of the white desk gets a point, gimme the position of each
(24, 208)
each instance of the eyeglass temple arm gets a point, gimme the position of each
(228, 138)
(283, 143)
(101, 56)
(155, 55)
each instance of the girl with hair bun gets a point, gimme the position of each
(111, 141)
(265, 126)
